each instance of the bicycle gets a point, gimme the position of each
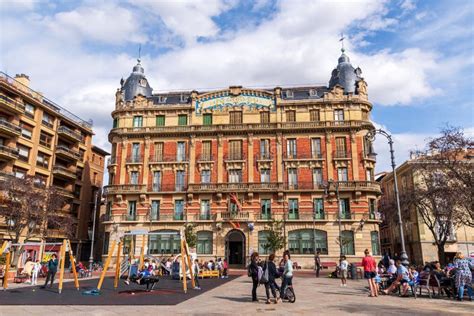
(289, 293)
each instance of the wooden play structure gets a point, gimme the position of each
(184, 264)
(65, 247)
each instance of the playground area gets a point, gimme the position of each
(166, 292)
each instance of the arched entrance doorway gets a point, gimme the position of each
(235, 247)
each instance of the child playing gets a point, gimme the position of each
(225, 267)
(343, 266)
(34, 272)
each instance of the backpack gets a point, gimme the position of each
(260, 275)
(263, 278)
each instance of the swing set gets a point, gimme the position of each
(65, 247)
(185, 258)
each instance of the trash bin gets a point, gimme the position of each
(353, 272)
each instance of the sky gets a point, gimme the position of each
(416, 56)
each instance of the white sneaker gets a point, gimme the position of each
(126, 282)
(345, 284)
(197, 288)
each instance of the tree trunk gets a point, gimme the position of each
(441, 254)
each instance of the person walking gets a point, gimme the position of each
(253, 273)
(287, 274)
(272, 274)
(317, 263)
(343, 267)
(52, 269)
(196, 274)
(369, 264)
(34, 272)
(463, 276)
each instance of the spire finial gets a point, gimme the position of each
(342, 42)
(139, 52)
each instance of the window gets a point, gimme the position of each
(317, 177)
(77, 191)
(182, 120)
(207, 119)
(372, 209)
(105, 249)
(263, 245)
(129, 243)
(19, 173)
(314, 115)
(178, 210)
(316, 147)
(204, 242)
(82, 153)
(135, 152)
(134, 177)
(266, 207)
(291, 116)
(265, 117)
(318, 208)
(289, 94)
(205, 213)
(181, 151)
(265, 175)
(29, 110)
(341, 147)
(368, 148)
(137, 121)
(132, 211)
(370, 174)
(142, 82)
(205, 176)
(342, 174)
(108, 211)
(305, 241)
(235, 176)
(116, 123)
(45, 140)
(162, 99)
(155, 210)
(235, 152)
(79, 172)
(40, 180)
(167, 242)
(26, 130)
(338, 115)
(206, 151)
(42, 160)
(293, 212)
(374, 240)
(235, 117)
(264, 149)
(180, 180)
(156, 181)
(291, 148)
(292, 178)
(159, 151)
(183, 98)
(48, 120)
(313, 93)
(23, 152)
(347, 242)
(344, 209)
(160, 120)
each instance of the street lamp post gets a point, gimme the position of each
(91, 257)
(371, 137)
(336, 186)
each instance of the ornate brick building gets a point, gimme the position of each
(180, 157)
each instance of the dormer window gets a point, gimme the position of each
(289, 94)
(142, 82)
(162, 99)
(184, 98)
(312, 93)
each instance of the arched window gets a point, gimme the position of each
(263, 242)
(374, 240)
(167, 242)
(347, 237)
(303, 241)
(204, 242)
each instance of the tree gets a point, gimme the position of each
(275, 238)
(190, 234)
(28, 208)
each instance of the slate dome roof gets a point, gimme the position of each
(345, 74)
(136, 84)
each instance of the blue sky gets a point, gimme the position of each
(417, 56)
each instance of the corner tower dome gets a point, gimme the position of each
(136, 84)
(345, 75)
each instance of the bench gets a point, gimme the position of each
(428, 281)
(208, 274)
(327, 265)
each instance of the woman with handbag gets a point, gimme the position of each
(271, 273)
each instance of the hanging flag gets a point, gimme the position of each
(234, 199)
(235, 225)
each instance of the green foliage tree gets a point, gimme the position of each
(275, 238)
(190, 234)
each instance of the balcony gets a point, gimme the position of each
(203, 217)
(307, 216)
(346, 216)
(206, 158)
(234, 187)
(264, 217)
(64, 192)
(370, 157)
(4, 175)
(9, 129)
(264, 157)
(303, 186)
(168, 159)
(11, 105)
(8, 153)
(134, 159)
(370, 186)
(303, 156)
(229, 216)
(129, 218)
(124, 188)
(67, 153)
(167, 188)
(234, 158)
(112, 161)
(341, 155)
(70, 134)
(64, 172)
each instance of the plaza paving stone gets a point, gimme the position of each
(321, 296)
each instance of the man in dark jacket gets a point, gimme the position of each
(317, 263)
(272, 274)
(52, 269)
(253, 273)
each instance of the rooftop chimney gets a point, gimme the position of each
(23, 79)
